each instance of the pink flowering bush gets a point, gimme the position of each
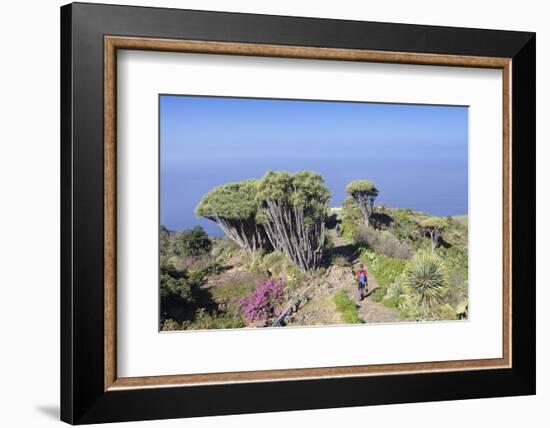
(263, 303)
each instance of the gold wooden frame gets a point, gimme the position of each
(113, 43)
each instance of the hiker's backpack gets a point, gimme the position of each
(362, 277)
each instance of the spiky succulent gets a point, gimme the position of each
(426, 278)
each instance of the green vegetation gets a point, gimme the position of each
(234, 208)
(187, 261)
(192, 243)
(461, 219)
(209, 320)
(348, 227)
(378, 294)
(347, 308)
(449, 260)
(393, 302)
(385, 269)
(363, 192)
(293, 208)
(189, 249)
(279, 265)
(281, 211)
(176, 292)
(235, 286)
(423, 293)
(382, 242)
(405, 228)
(180, 294)
(276, 244)
(234, 201)
(205, 320)
(433, 226)
(461, 310)
(426, 278)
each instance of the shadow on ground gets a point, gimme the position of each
(348, 251)
(51, 411)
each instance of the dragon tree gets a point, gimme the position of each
(432, 226)
(293, 208)
(363, 192)
(233, 207)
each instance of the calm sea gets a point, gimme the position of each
(435, 185)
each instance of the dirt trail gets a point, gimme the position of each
(342, 278)
(373, 312)
(319, 309)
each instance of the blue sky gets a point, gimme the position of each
(416, 154)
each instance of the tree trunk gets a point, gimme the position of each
(434, 237)
(247, 234)
(289, 234)
(365, 204)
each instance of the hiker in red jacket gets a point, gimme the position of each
(361, 276)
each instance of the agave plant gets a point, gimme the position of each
(426, 278)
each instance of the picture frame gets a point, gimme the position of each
(91, 391)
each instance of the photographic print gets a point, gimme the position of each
(292, 213)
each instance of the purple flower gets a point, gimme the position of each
(263, 302)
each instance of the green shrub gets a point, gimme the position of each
(348, 227)
(193, 242)
(293, 276)
(363, 192)
(205, 321)
(212, 269)
(444, 312)
(457, 288)
(393, 302)
(237, 285)
(410, 310)
(347, 308)
(224, 250)
(177, 294)
(273, 260)
(181, 293)
(254, 265)
(174, 282)
(455, 258)
(385, 269)
(189, 249)
(165, 243)
(404, 227)
(280, 266)
(350, 210)
(461, 310)
(381, 241)
(395, 289)
(170, 325)
(426, 278)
